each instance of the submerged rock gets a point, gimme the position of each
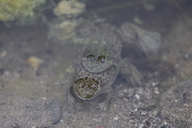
(147, 41)
(69, 8)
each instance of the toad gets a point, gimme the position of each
(101, 62)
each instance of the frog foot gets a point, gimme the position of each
(103, 106)
(71, 102)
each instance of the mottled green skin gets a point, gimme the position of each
(92, 84)
(98, 68)
(101, 39)
(96, 62)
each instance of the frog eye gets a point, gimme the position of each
(101, 58)
(90, 56)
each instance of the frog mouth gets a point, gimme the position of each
(85, 88)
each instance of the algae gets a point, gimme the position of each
(22, 11)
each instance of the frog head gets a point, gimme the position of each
(96, 60)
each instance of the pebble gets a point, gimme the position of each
(116, 118)
(154, 83)
(141, 126)
(35, 62)
(137, 96)
(156, 90)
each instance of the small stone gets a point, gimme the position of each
(154, 83)
(156, 90)
(35, 62)
(116, 118)
(143, 112)
(186, 105)
(137, 96)
(131, 121)
(141, 126)
(125, 91)
(114, 105)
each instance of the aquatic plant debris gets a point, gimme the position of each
(19, 10)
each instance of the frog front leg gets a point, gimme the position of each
(70, 98)
(105, 105)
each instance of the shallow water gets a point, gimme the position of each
(132, 106)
